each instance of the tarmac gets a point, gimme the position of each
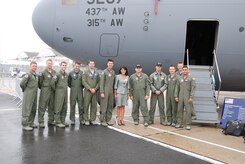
(76, 144)
(205, 143)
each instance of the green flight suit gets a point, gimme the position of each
(76, 94)
(46, 84)
(29, 85)
(193, 112)
(157, 83)
(178, 73)
(107, 87)
(90, 80)
(185, 89)
(61, 98)
(170, 99)
(139, 88)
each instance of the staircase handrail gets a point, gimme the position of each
(218, 72)
(187, 58)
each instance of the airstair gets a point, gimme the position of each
(205, 99)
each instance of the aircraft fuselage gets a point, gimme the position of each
(146, 32)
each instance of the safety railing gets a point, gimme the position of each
(187, 58)
(11, 86)
(19, 93)
(218, 72)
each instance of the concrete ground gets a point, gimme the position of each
(204, 139)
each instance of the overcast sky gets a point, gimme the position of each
(16, 31)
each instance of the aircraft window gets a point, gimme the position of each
(241, 29)
(145, 28)
(67, 39)
(146, 21)
(146, 14)
(69, 2)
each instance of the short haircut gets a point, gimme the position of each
(77, 62)
(33, 62)
(185, 66)
(49, 60)
(91, 61)
(171, 65)
(180, 62)
(109, 60)
(63, 62)
(123, 67)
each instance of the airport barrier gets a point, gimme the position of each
(18, 92)
(7, 85)
(11, 86)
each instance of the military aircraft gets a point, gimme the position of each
(198, 32)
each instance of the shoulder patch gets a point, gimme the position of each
(26, 76)
(54, 77)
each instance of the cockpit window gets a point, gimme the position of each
(69, 2)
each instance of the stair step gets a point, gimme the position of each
(203, 73)
(204, 99)
(207, 116)
(210, 108)
(206, 121)
(204, 87)
(204, 102)
(196, 67)
(206, 94)
(203, 80)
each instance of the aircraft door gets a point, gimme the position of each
(109, 45)
(201, 40)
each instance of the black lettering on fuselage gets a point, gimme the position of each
(103, 1)
(118, 11)
(100, 2)
(90, 1)
(110, 1)
(116, 22)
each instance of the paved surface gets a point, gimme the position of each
(7, 102)
(78, 144)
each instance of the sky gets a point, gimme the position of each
(16, 32)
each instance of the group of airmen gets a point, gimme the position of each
(89, 86)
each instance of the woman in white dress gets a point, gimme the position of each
(121, 93)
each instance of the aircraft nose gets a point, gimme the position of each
(43, 18)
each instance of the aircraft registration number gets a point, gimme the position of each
(103, 1)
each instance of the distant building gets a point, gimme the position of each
(23, 56)
(42, 56)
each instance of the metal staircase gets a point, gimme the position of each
(205, 99)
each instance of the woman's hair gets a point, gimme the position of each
(125, 68)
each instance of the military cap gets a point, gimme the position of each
(138, 66)
(159, 64)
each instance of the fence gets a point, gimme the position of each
(12, 86)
